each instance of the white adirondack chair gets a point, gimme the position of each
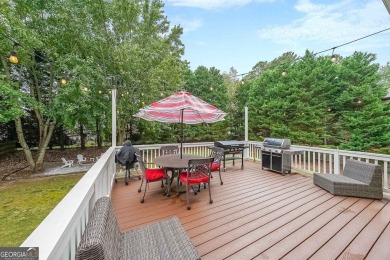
(67, 163)
(81, 159)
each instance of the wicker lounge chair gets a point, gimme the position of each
(102, 238)
(359, 179)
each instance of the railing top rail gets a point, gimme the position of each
(377, 156)
(158, 146)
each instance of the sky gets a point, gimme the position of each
(240, 33)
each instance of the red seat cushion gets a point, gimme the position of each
(154, 174)
(215, 166)
(195, 178)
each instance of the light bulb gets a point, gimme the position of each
(13, 57)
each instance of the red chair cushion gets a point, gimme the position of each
(215, 166)
(194, 178)
(154, 174)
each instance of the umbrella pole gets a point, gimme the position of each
(182, 135)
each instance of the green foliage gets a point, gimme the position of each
(97, 46)
(319, 102)
(10, 105)
(208, 85)
(131, 46)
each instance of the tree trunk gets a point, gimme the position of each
(121, 136)
(61, 137)
(121, 128)
(42, 150)
(98, 134)
(82, 137)
(130, 131)
(23, 143)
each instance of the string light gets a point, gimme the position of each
(333, 58)
(63, 81)
(13, 57)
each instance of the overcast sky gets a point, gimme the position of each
(240, 33)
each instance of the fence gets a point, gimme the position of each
(7, 147)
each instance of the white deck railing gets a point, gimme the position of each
(332, 161)
(60, 232)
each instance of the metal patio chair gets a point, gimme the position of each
(166, 150)
(198, 171)
(217, 153)
(151, 175)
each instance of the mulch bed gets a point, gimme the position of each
(14, 165)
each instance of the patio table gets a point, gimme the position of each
(174, 162)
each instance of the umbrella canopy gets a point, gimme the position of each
(181, 107)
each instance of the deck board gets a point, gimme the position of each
(264, 215)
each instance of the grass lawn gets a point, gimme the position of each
(25, 203)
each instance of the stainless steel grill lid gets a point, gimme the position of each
(277, 143)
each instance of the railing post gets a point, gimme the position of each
(113, 126)
(385, 177)
(336, 161)
(246, 124)
(246, 151)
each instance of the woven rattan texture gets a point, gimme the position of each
(102, 238)
(359, 179)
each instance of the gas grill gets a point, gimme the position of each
(276, 155)
(233, 150)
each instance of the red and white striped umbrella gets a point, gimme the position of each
(181, 107)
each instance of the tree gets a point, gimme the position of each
(317, 102)
(365, 118)
(147, 55)
(208, 84)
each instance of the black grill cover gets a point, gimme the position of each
(229, 144)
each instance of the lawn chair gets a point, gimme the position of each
(81, 159)
(67, 163)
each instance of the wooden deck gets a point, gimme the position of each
(264, 215)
